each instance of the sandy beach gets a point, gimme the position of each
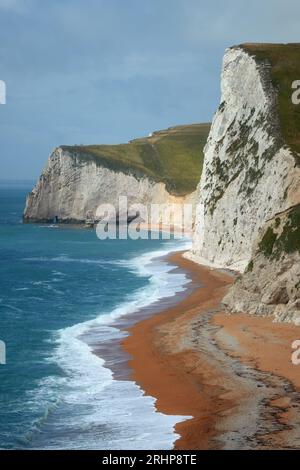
(232, 374)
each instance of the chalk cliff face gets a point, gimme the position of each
(160, 169)
(249, 174)
(71, 190)
(271, 282)
(250, 182)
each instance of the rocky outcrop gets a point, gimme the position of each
(249, 186)
(71, 188)
(270, 284)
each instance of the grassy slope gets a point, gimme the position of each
(174, 156)
(285, 68)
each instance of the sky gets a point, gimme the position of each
(107, 71)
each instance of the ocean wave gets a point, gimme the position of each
(66, 259)
(11, 307)
(94, 410)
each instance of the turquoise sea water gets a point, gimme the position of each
(58, 286)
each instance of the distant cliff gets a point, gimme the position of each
(249, 193)
(162, 168)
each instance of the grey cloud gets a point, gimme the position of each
(107, 71)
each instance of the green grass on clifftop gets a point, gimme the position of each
(285, 69)
(173, 156)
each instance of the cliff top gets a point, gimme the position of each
(173, 156)
(284, 60)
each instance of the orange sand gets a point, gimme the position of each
(169, 364)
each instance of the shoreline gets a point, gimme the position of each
(166, 372)
(239, 387)
(112, 351)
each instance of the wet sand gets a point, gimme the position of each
(232, 374)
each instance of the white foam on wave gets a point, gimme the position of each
(67, 259)
(58, 273)
(95, 411)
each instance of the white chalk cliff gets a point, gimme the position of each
(71, 188)
(248, 174)
(250, 182)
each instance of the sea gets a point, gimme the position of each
(61, 291)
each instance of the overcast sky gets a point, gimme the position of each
(106, 71)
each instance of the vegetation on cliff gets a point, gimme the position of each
(173, 156)
(283, 236)
(284, 61)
